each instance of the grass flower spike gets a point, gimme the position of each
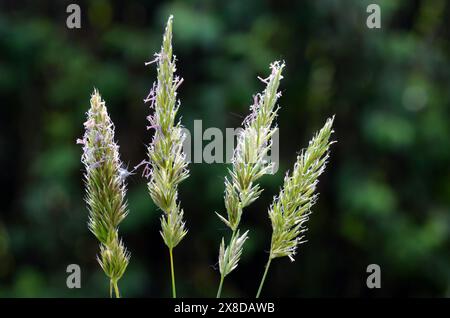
(291, 209)
(248, 165)
(229, 256)
(105, 188)
(168, 166)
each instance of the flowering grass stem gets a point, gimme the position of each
(105, 190)
(249, 163)
(168, 165)
(290, 210)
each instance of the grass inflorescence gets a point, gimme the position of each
(167, 167)
(105, 190)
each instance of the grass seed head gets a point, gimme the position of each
(105, 187)
(291, 209)
(168, 163)
(229, 256)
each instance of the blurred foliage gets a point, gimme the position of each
(385, 198)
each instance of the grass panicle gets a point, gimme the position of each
(291, 208)
(105, 189)
(232, 253)
(249, 163)
(168, 165)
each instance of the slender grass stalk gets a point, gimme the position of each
(248, 165)
(174, 289)
(219, 291)
(105, 188)
(264, 277)
(116, 289)
(291, 209)
(168, 166)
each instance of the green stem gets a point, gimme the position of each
(174, 290)
(219, 291)
(116, 289)
(264, 277)
(110, 288)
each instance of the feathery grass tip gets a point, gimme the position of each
(292, 207)
(249, 163)
(105, 189)
(168, 165)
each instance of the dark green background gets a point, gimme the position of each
(384, 198)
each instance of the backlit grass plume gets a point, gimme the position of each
(249, 163)
(291, 209)
(168, 166)
(105, 189)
